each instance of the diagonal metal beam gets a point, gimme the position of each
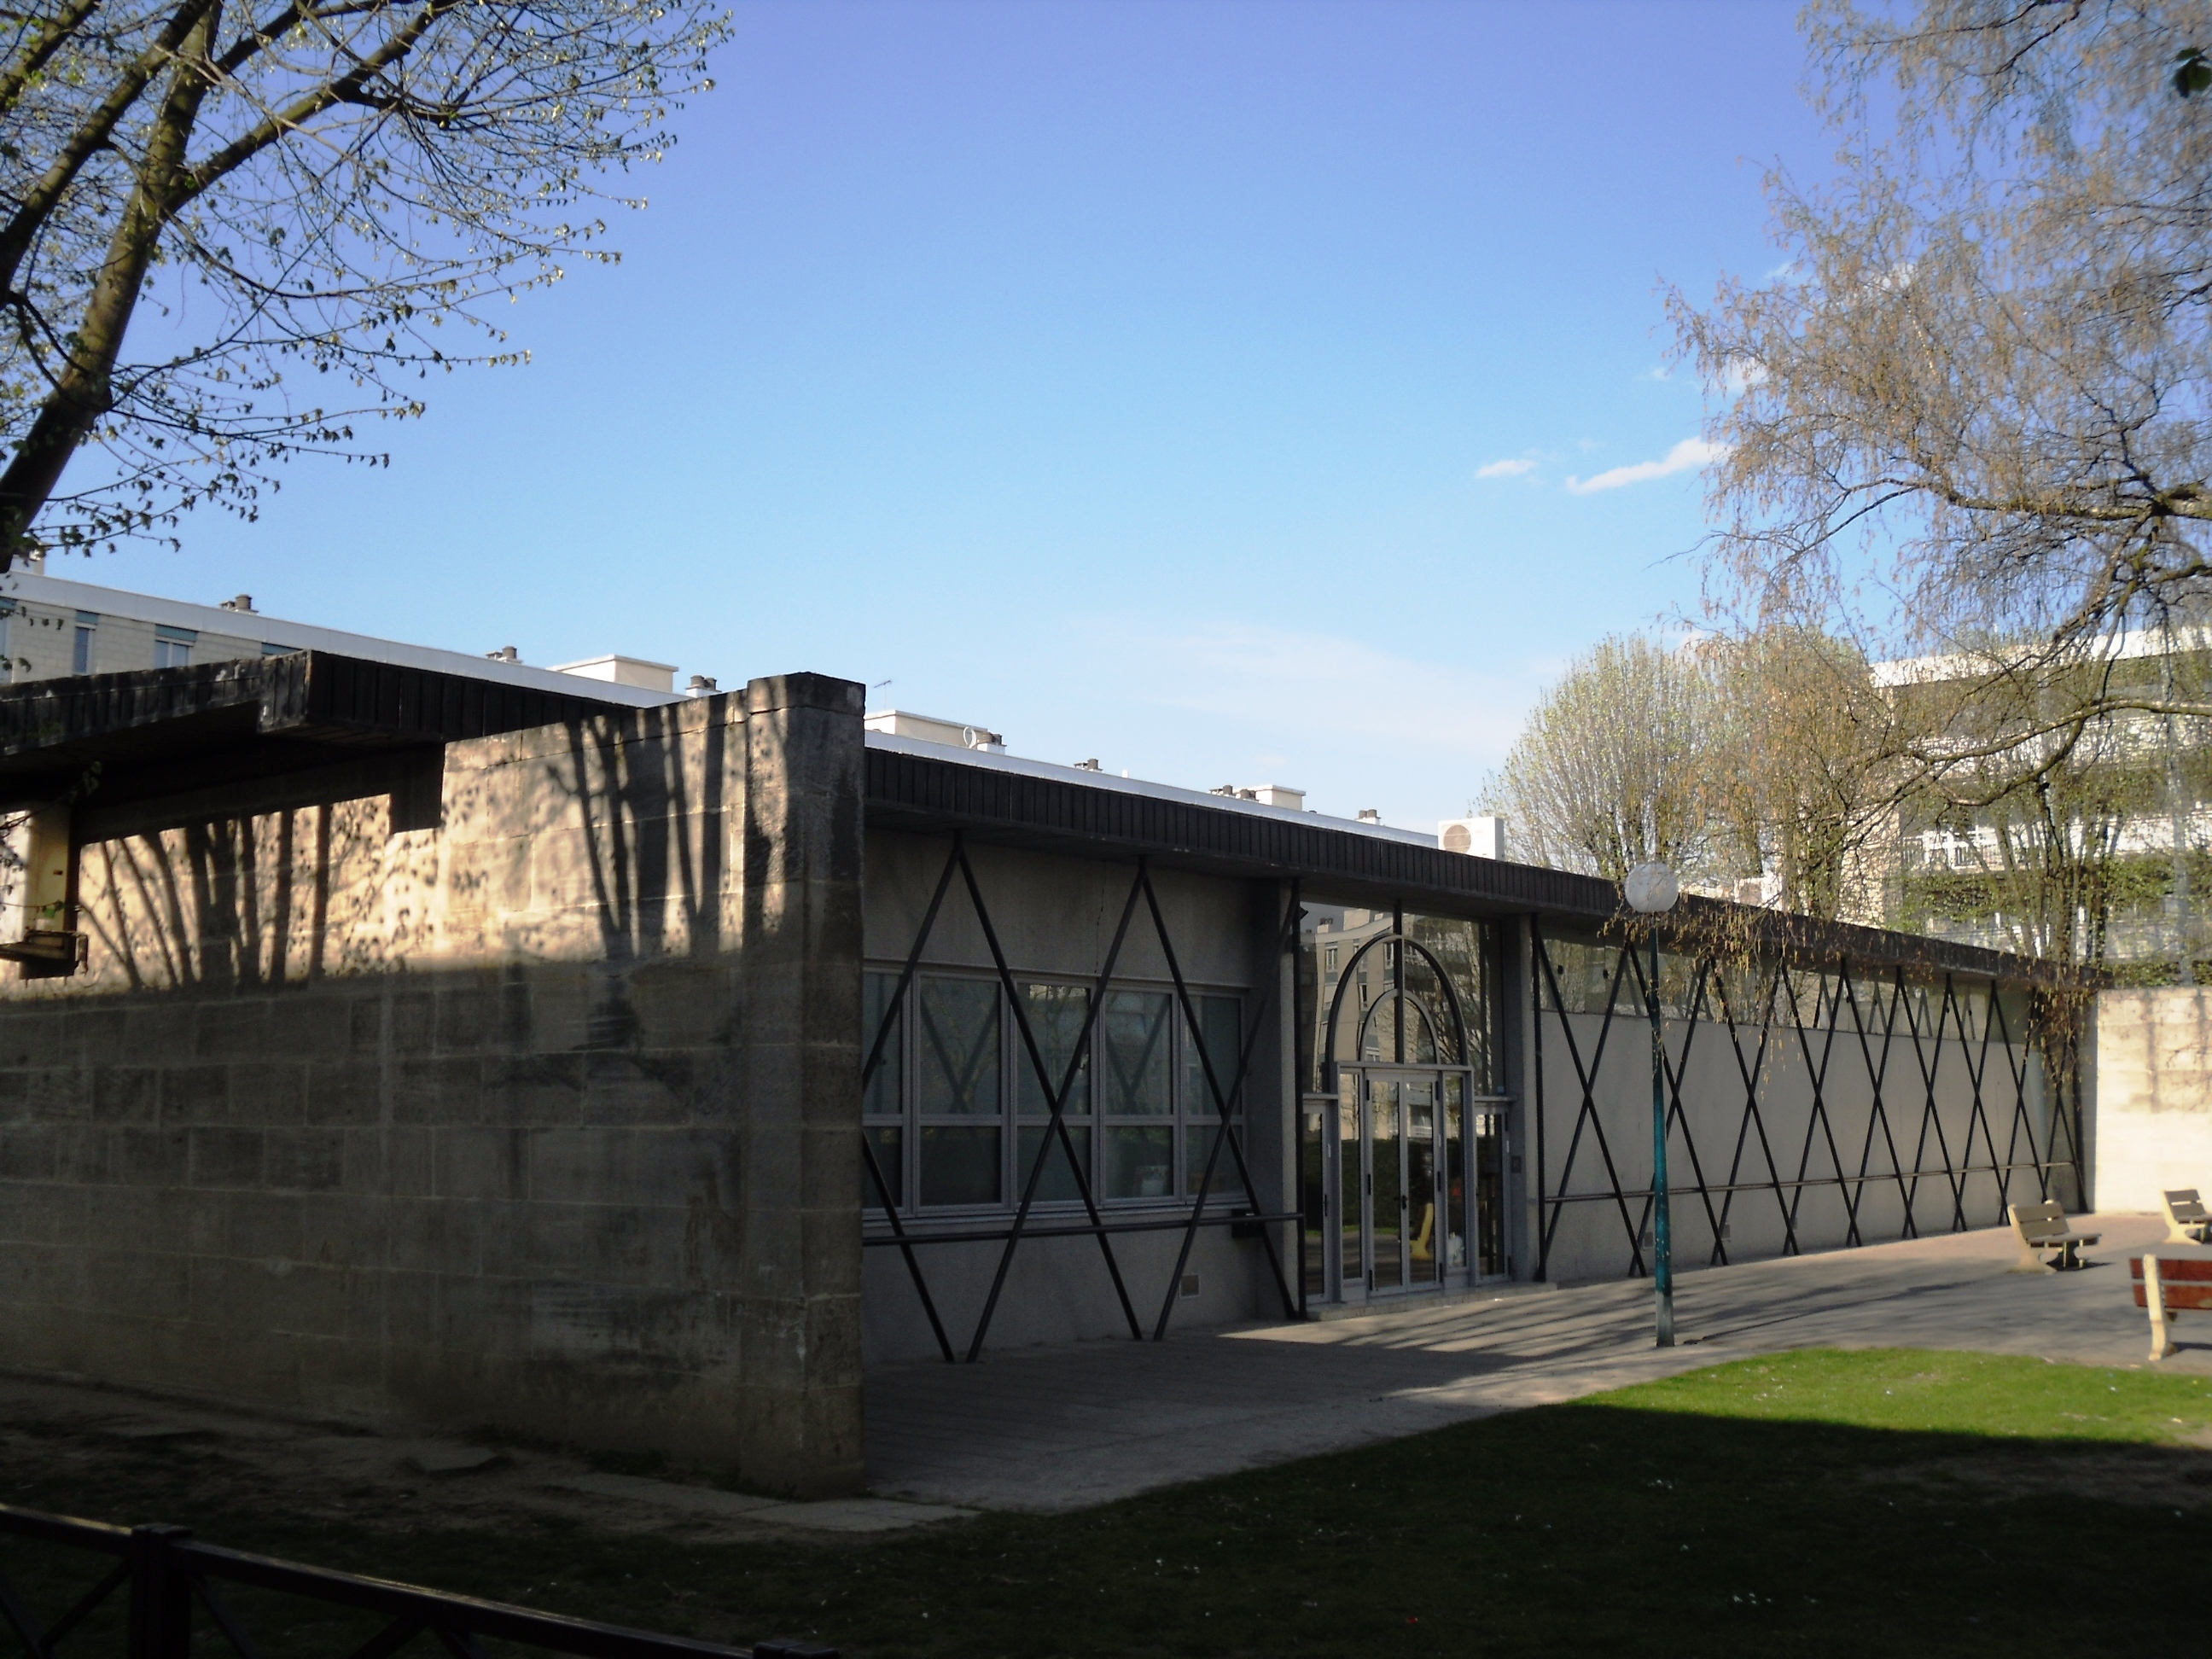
(1205, 1062)
(1753, 1120)
(1058, 1098)
(1588, 1112)
(876, 1049)
(1285, 937)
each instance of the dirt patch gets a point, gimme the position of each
(114, 1456)
(2172, 1478)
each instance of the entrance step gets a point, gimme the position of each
(1418, 1302)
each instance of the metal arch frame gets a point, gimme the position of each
(1398, 934)
(1056, 1132)
(1838, 1020)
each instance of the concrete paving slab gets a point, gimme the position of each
(666, 1494)
(863, 1514)
(1059, 1428)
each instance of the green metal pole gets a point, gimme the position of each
(1662, 1255)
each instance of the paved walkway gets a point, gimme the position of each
(1060, 1428)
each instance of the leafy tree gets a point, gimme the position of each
(1611, 769)
(1970, 415)
(225, 234)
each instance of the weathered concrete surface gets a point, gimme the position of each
(1052, 1429)
(544, 1118)
(105, 1437)
(2151, 1124)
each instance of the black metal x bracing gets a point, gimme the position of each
(1818, 1118)
(1754, 1119)
(1285, 937)
(1587, 1112)
(883, 1193)
(1056, 1130)
(1674, 1071)
(1833, 1000)
(1056, 1134)
(1877, 1107)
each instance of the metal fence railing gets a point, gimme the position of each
(168, 1577)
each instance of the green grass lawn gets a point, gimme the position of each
(1864, 1502)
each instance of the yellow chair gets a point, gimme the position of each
(1424, 1241)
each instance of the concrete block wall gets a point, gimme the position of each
(545, 1119)
(2150, 1062)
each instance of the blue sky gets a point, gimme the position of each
(1123, 377)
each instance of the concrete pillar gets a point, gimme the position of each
(797, 1295)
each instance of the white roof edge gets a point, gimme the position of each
(275, 630)
(2127, 643)
(609, 656)
(1036, 769)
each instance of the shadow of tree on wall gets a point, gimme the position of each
(249, 903)
(599, 840)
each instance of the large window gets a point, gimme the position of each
(955, 1115)
(173, 647)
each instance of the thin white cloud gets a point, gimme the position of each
(1319, 689)
(1684, 457)
(1512, 469)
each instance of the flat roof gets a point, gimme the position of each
(931, 788)
(22, 584)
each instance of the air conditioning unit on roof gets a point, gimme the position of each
(1484, 837)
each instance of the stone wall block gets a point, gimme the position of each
(365, 1025)
(305, 1160)
(427, 1090)
(32, 1039)
(146, 1284)
(153, 1157)
(395, 1162)
(83, 1154)
(436, 1234)
(160, 1221)
(343, 1092)
(533, 1091)
(306, 1026)
(410, 1021)
(28, 1152)
(226, 1157)
(30, 1285)
(195, 1094)
(92, 1033)
(30, 1212)
(261, 1226)
(470, 1013)
(638, 1089)
(343, 1230)
(263, 1091)
(15, 1096)
(126, 1094)
(60, 1094)
(157, 1028)
(230, 1028)
(686, 1004)
(478, 1163)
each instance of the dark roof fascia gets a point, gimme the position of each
(929, 795)
(311, 702)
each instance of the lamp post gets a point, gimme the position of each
(1652, 890)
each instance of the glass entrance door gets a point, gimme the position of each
(1402, 1181)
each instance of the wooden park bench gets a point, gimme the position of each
(2045, 1240)
(2176, 1285)
(2187, 1221)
